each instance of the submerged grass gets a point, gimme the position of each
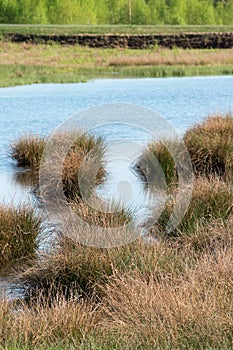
(19, 231)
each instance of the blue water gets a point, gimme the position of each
(38, 109)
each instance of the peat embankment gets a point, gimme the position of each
(144, 41)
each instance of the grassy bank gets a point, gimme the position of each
(26, 63)
(111, 29)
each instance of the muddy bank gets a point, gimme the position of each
(185, 40)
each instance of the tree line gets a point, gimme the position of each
(117, 11)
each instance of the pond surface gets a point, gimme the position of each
(39, 109)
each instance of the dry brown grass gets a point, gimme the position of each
(166, 295)
(218, 234)
(74, 56)
(75, 269)
(174, 57)
(80, 151)
(62, 322)
(194, 311)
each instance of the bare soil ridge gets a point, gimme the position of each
(216, 40)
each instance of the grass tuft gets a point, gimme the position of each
(211, 199)
(28, 150)
(44, 326)
(158, 167)
(210, 146)
(86, 151)
(192, 312)
(19, 231)
(73, 268)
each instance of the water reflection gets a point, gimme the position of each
(26, 177)
(12, 192)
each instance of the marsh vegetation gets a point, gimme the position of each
(172, 292)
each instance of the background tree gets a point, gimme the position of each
(117, 11)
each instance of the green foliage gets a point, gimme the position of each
(174, 12)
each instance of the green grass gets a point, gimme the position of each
(112, 29)
(158, 151)
(12, 75)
